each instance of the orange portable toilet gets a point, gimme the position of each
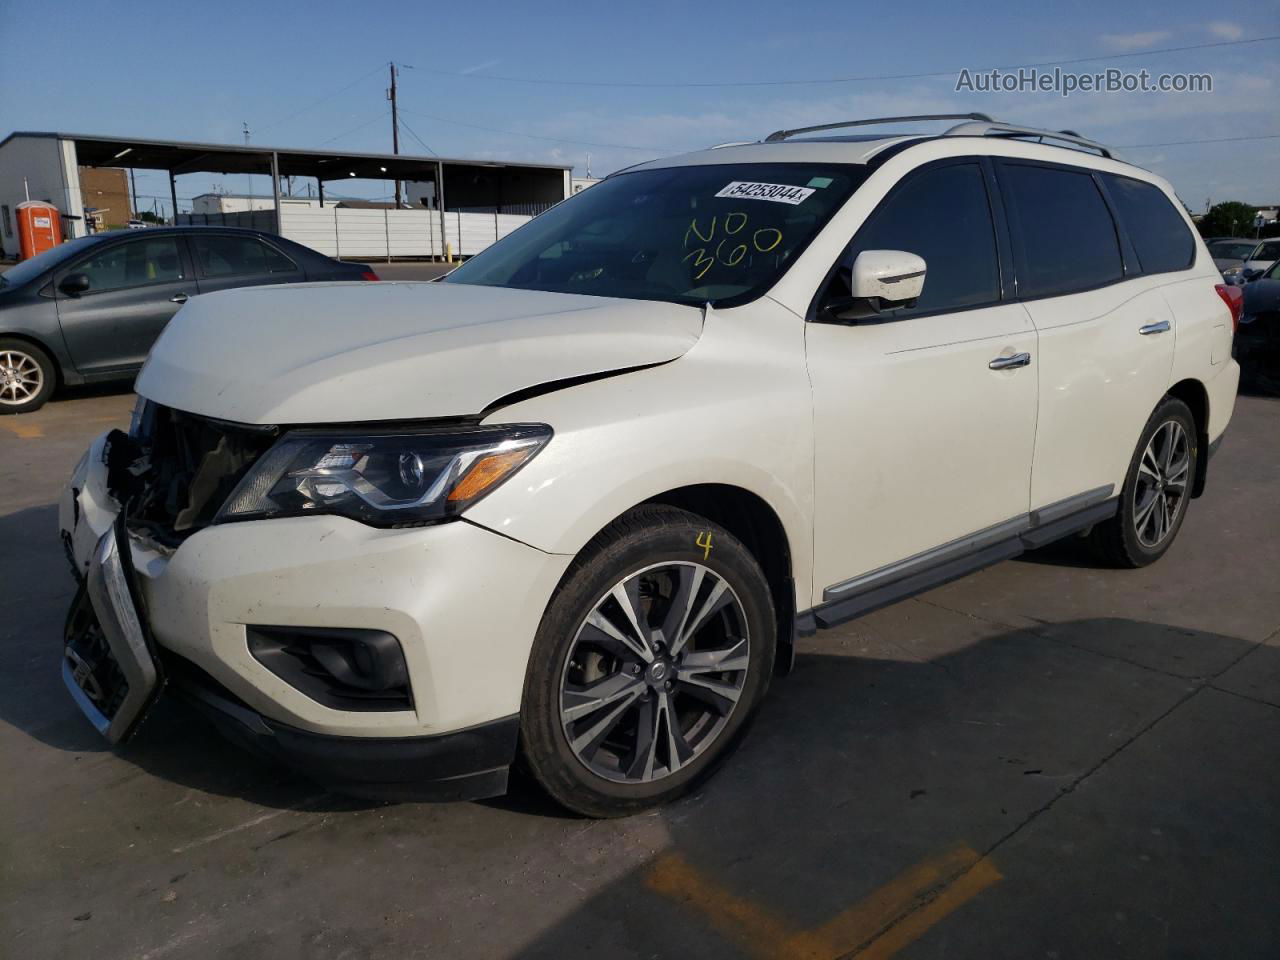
(39, 228)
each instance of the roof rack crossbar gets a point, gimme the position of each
(994, 128)
(780, 135)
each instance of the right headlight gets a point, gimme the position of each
(386, 479)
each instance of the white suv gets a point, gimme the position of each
(574, 504)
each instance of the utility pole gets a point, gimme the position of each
(133, 206)
(245, 124)
(395, 124)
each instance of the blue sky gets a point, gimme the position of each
(198, 71)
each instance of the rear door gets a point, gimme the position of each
(1106, 332)
(135, 288)
(225, 260)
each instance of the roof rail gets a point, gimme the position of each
(994, 128)
(780, 135)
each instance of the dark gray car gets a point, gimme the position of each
(91, 308)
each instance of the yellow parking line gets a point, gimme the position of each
(755, 928)
(910, 928)
(27, 431)
(878, 926)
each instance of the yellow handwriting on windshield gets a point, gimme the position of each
(763, 240)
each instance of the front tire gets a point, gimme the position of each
(1156, 492)
(27, 376)
(649, 662)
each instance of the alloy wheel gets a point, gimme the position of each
(655, 672)
(1160, 494)
(21, 378)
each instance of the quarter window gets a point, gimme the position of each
(942, 215)
(1157, 230)
(132, 264)
(226, 256)
(1067, 237)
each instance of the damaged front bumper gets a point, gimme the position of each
(462, 602)
(109, 662)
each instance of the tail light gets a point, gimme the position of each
(370, 276)
(1233, 297)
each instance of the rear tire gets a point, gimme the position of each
(27, 376)
(621, 714)
(1156, 492)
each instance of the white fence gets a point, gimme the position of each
(378, 234)
(357, 234)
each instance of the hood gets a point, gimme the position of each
(347, 352)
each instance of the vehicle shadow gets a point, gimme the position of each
(861, 775)
(1074, 551)
(175, 742)
(86, 391)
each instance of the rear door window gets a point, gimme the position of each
(1064, 237)
(1158, 232)
(228, 256)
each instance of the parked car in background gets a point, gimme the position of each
(1264, 254)
(91, 308)
(1229, 252)
(137, 225)
(577, 500)
(1257, 344)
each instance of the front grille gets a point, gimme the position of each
(177, 469)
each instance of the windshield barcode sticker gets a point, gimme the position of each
(777, 192)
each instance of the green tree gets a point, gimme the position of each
(1229, 219)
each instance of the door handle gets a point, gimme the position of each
(178, 298)
(1009, 363)
(1150, 328)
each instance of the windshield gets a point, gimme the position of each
(1267, 250)
(721, 234)
(30, 269)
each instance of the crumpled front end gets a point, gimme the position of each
(268, 624)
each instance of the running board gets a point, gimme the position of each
(899, 581)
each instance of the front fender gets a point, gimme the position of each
(735, 410)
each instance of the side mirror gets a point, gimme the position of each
(894, 276)
(879, 279)
(74, 284)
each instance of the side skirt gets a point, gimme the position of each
(898, 581)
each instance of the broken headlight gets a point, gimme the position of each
(383, 479)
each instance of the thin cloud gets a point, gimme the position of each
(1124, 42)
(487, 65)
(1225, 30)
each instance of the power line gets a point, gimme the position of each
(421, 142)
(327, 97)
(833, 80)
(380, 116)
(667, 150)
(1179, 143)
(534, 136)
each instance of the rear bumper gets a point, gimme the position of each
(467, 764)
